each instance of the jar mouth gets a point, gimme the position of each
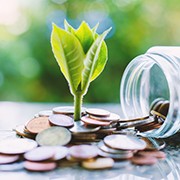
(145, 79)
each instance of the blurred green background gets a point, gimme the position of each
(28, 69)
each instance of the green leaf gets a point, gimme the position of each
(69, 55)
(90, 61)
(101, 62)
(68, 27)
(85, 36)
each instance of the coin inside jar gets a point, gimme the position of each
(126, 142)
(61, 120)
(98, 112)
(53, 136)
(37, 125)
(83, 151)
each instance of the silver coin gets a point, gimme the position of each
(60, 152)
(115, 156)
(7, 134)
(17, 146)
(53, 136)
(45, 113)
(61, 120)
(66, 110)
(97, 112)
(125, 142)
(40, 154)
(79, 127)
(12, 167)
(107, 149)
(111, 117)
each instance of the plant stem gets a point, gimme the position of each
(77, 106)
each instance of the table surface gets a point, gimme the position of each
(12, 114)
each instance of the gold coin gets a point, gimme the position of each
(90, 121)
(98, 112)
(53, 136)
(37, 125)
(111, 117)
(39, 166)
(99, 163)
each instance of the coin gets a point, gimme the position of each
(39, 166)
(80, 127)
(155, 153)
(143, 160)
(99, 163)
(148, 127)
(45, 113)
(12, 167)
(155, 113)
(115, 156)
(20, 130)
(134, 119)
(156, 104)
(97, 112)
(153, 143)
(164, 108)
(107, 149)
(60, 152)
(111, 117)
(53, 136)
(4, 158)
(17, 146)
(39, 154)
(83, 151)
(90, 121)
(38, 124)
(66, 110)
(126, 142)
(61, 120)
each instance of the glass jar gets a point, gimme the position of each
(155, 74)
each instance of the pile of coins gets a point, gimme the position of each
(52, 139)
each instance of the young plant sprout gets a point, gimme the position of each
(81, 54)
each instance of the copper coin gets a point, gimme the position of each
(111, 117)
(66, 110)
(45, 113)
(91, 121)
(20, 130)
(61, 120)
(4, 158)
(60, 152)
(39, 166)
(107, 149)
(153, 143)
(83, 151)
(97, 112)
(40, 154)
(148, 127)
(155, 153)
(17, 146)
(144, 160)
(80, 127)
(38, 124)
(125, 142)
(115, 156)
(53, 136)
(99, 163)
